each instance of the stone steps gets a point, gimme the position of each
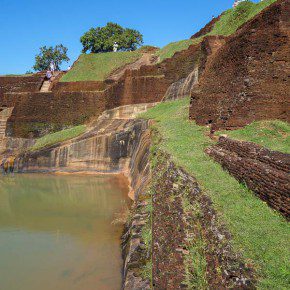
(45, 87)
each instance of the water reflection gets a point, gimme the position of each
(56, 232)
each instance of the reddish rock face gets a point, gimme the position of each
(248, 78)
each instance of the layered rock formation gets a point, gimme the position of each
(265, 172)
(106, 147)
(248, 78)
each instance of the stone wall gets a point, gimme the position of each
(248, 78)
(36, 114)
(79, 86)
(195, 60)
(135, 252)
(264, 171)
(174, 230)
(31, 83)
(185, 225)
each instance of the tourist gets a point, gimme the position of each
(52, 67)
(115, 47)
(48, 75)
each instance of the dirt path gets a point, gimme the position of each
(145, 59)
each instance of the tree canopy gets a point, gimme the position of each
(57, 54)
(102, 39)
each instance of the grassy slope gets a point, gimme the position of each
(229, 22)
(96, 67)
(57, 137)
(233, 18)
(260, 233)
(273, 134)
(170, 49)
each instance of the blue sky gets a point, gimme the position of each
(25, 25)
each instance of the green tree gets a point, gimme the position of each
(57, 54)
(101, 39)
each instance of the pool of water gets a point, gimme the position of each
(56, 232)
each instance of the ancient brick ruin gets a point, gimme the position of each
(264, 171)
(248, 78)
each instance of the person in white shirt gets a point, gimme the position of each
(115, 47)
(52, 67)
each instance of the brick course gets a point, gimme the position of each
(264, 171)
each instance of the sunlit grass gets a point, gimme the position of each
(98, 66)
(260, 233)
(60, 136)
(273, 134)
(233, 18)
(228, 23)
(170, 49)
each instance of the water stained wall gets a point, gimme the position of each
(108, 146)
(183, 87)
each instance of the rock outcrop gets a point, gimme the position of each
(106, 147)
(248, 79)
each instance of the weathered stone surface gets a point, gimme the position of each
(179, 226)
(107, 147)
(134, 251)
(21, 83)
(248, 78)
(198, 56)
(264, 171)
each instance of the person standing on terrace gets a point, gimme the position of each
(115, 47)
(52, 67)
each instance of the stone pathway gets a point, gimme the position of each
(45, 87)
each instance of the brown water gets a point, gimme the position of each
(56, 232)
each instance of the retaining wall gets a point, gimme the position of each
(265, 172)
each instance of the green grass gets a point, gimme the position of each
(98, 66)
(260, 233)
(146, 233)
(169, 50)
(60, 136)
(233, 18)
(273, 134)
(195, 261)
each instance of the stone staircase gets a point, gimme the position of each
(45, 87)
(5, 113)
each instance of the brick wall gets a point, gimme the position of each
(264, 171)
(21, 83)
(248, 79)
